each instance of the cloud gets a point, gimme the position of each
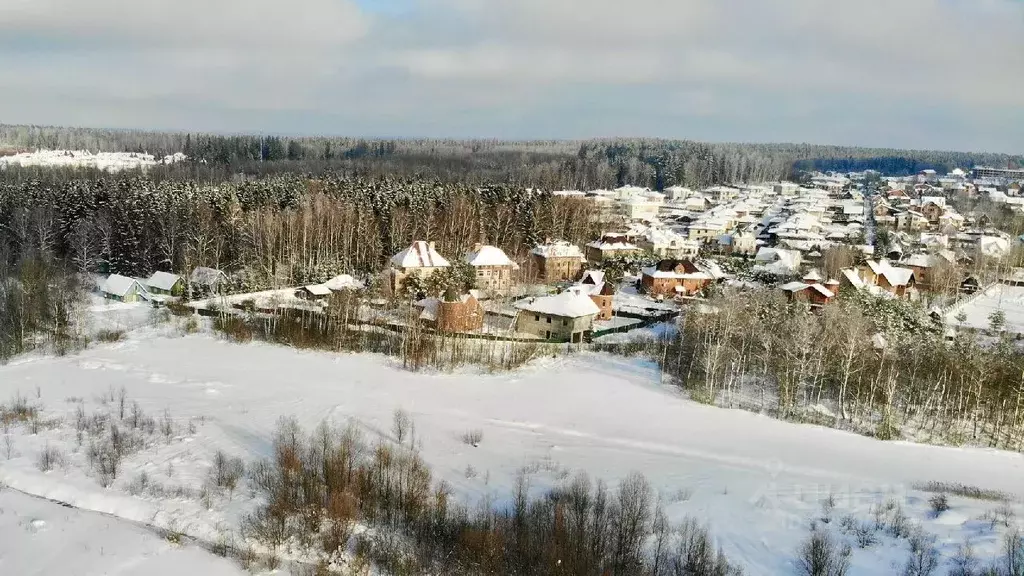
(923, 73)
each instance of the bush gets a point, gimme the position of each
(924, 557)
(963, 490)
(110, 335)
(939, 504)
(226, 472)
(473, 437)
(822, 555)
(49, 458)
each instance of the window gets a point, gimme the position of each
(565, 322)
(549, 319)
(536, 317)
(547, 335)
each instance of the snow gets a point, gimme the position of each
(41, 537)
(489, 256)
(317, 290)
(109, 161)
(756, 481)
(343, 282)
(163, 280)
(558, 249)
(118, 285)
(420, 254)
(978, 308)
(572, 303)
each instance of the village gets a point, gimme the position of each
(812, 241)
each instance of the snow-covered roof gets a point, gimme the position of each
(894, 275)
(119, 285)
(430, 308)
(573, 303)
(163, 280)
(609, 243)
(801, 286)
(342, 282)
(558, 249)
(489, 256)
(317, 290)
(419, 254)
(813, 276)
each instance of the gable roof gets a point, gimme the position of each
(489, 256)
(317, 290)
(120, 285)
(558, 249)
(163, 280)
(420, 254)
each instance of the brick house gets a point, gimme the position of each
(494, 269)
(672, 277)
(420, 259)
(452, 313)
(611, 246)
(601, 292)
(557, 261)
(814, 294)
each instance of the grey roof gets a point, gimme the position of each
(119, 285)
(207, 276)
(163, 280)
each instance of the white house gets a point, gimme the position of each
(122, 288)
(567, 316)
(420, 259)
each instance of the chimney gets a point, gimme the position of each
(430, 245)
(477, 247)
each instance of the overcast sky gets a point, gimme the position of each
(945, 74)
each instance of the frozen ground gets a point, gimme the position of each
(978, 308)
(41, 537)
(758, 482)
(110, 161)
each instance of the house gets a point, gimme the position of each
(672, 277)
(895, 280)
(814, 294)
(566, 317)
(611, 246)
(494, 269)
(122, 289)
(665, 243)
(208, 280)
(452, 313)
(313, 292)
(557, 261)
(911, 220)
(601, 292)
(742, 243)
(932, 210)
(166, 284)
(922, 265)
(420, 259)
(778, 261)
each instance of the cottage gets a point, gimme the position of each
(557, 261)
(208, 280)
(494, 269)
(343, 282)
(899, 282)
(815, 294)
(672, 277)
(778, 261)
(420, 259)
(166, 284)
(611, 246)
(313, 292)
(122, 289)
(566, 317)
(665, 243)
(452, 313)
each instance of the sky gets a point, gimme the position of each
(935, 74)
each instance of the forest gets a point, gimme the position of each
(548, 165)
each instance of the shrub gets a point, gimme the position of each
(110, 335)
(473, 437)
(822, 555)
(962, 490)
(939, 504)
(924, 557)
(226, 472)
(49, 458)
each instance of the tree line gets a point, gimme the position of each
(882, 367)
(568, 164)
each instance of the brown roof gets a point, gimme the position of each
(671, 265)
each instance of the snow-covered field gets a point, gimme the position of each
(978, 309)
(110, 161)
(756, 481)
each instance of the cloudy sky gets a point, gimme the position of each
(943, 74)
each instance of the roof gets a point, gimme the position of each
(592, 277)
(572, 303)
(317, 290)
(489, 256)
(612, 243)
(801, 286)
(419, 254)
(206, 276)
(343, 281)
(119, 285)
(558, 249)
(430, 308)
(163, 280)
(813, 276)
(894, 275)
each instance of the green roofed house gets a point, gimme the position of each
(166, 284)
